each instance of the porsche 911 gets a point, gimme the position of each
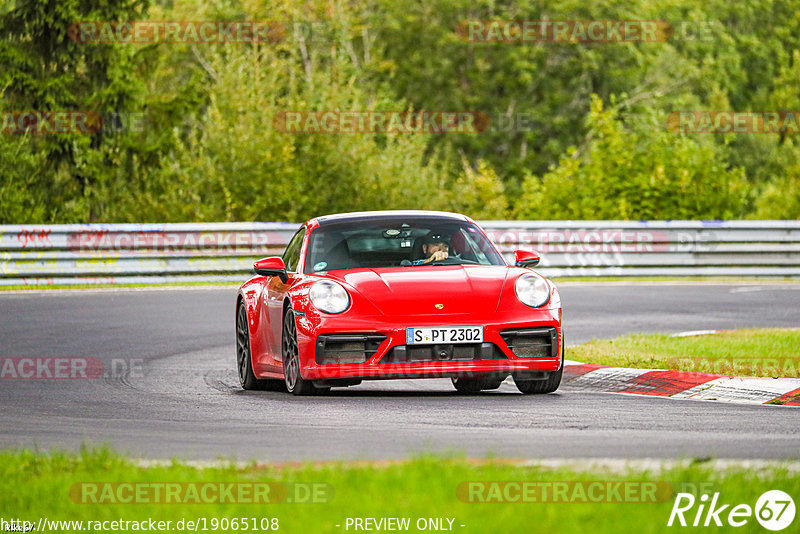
(397, 294)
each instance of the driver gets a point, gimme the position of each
(435, 247)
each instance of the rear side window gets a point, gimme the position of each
(291, 256)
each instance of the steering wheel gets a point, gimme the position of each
(453, 260)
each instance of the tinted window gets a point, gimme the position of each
(291, 256)
(395, 242)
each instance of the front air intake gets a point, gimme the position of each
(532, 342)
(340, 349)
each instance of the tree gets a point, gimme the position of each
(46, 71)
(625, 174)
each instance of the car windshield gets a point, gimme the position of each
(397, 243)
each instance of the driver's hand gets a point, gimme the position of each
(439, 255)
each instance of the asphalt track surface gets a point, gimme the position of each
(181, 397)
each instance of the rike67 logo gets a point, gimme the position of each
(774, 510)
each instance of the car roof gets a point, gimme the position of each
(388, 214)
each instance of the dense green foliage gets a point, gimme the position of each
(635, 176)
(579, 130)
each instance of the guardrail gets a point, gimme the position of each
(224, 252)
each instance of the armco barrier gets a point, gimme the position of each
(224, 252)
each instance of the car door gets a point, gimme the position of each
(276, 293)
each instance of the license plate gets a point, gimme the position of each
(429, 335)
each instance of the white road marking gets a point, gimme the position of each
(607, 379)
(748, 390)
(692, 333)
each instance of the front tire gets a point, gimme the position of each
(295, 383)
(244, 357)
(548, 385)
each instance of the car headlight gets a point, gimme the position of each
(329, 297)
(532, 290)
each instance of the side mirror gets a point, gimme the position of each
(526, 258)
(272, 266)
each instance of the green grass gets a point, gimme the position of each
(769, 352)
(34, 485)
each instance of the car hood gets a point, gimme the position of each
(421, 290)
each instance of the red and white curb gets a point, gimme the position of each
(682, 384)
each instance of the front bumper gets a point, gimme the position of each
(388, 339)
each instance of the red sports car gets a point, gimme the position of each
(397, 294)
